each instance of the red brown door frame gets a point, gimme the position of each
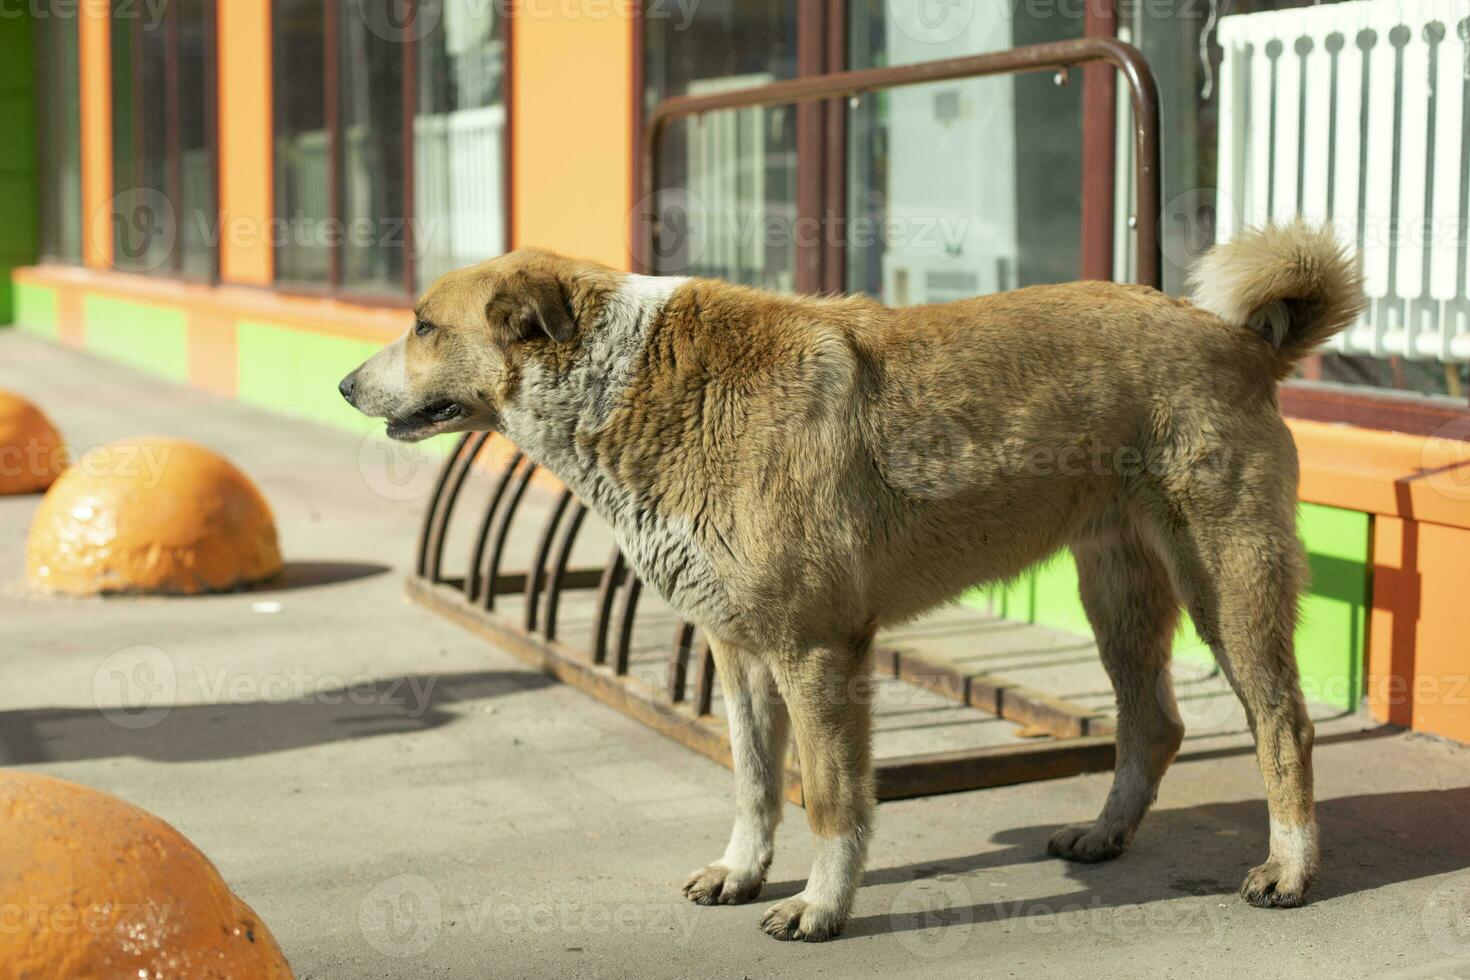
(810, 234)
(834, 203)
(821, 147)
(1099, 147)
(133, 177)
(409, 105)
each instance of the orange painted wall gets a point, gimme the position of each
(1421, 477)
(212, 350)
(94, 29)
(1419, 633)
(572, 145)
(245, 164)
(1418, 491)
(207, 306)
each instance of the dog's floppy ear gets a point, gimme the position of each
(538, 308)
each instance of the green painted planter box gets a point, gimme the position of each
(150, 338)
(35, 309)
(1331, 631)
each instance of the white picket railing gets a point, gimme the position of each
(1354, 113)
(459, 193)
(459, 187)
(728, 153)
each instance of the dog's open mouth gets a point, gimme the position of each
(424, 421)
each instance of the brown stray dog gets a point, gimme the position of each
(794, 472)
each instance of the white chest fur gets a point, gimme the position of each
(553, 413)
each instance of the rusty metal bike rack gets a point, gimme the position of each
(682, 705)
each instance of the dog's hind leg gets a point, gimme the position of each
(827, 691)
(758, 727)
(1131, 603)
(1241, 581)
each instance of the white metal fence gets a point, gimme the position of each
(1355, 113)
(729, 198)
(459, 187)
(459, 194)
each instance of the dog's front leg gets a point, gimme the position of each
(758, 726)
(826, 691)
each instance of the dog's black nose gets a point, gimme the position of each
(348, 386)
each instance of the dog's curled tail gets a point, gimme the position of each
(1293, 284)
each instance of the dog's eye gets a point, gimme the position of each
(423, 329)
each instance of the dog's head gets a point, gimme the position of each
(472, 331)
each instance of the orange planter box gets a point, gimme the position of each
(1419, 632)
(1418, 490)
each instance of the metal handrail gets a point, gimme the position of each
(1127, 59)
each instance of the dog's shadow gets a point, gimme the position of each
(1368, 841)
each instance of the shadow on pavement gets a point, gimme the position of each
(1369, 841)
(270, 714)
(310, 574)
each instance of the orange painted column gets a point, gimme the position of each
(94, 30)
(245, 165)
(213, 358)
(1393, 627)
(572, 140)
(1419, 634)
(1418, 491)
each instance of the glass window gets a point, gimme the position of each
(164, 219)
(1343, 112)
(302, 144)
(964, 187)
(196, 174)
(360, 219)
(370, 92)
(727, 207)
(60, 138)
(459, 141)
(144, 223)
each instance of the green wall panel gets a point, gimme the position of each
(1013, 600)
(20, 231)
(1331, 635)
(18, 190)
(297, 371)
(1057, 603)
(150, 338)
(35, 309)
(16, 69)
(1331, 632)
(262, 365)
(322, 362)
(18, 117)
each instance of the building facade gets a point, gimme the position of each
(245, 196)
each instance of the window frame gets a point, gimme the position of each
(821, 134)
(172, 149)
(332, 76)
(47, 124)
(821, 141)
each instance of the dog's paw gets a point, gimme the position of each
(716, 884)
(1274, 885)
(796, 918)
(1087, 844)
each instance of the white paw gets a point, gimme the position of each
(1087, 843)
(1276, 885)
(718, 884)
(797, 918)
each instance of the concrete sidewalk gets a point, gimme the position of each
(397, 799)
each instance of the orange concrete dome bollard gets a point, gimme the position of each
(151, 516)
(31, 451)
(92, 886)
